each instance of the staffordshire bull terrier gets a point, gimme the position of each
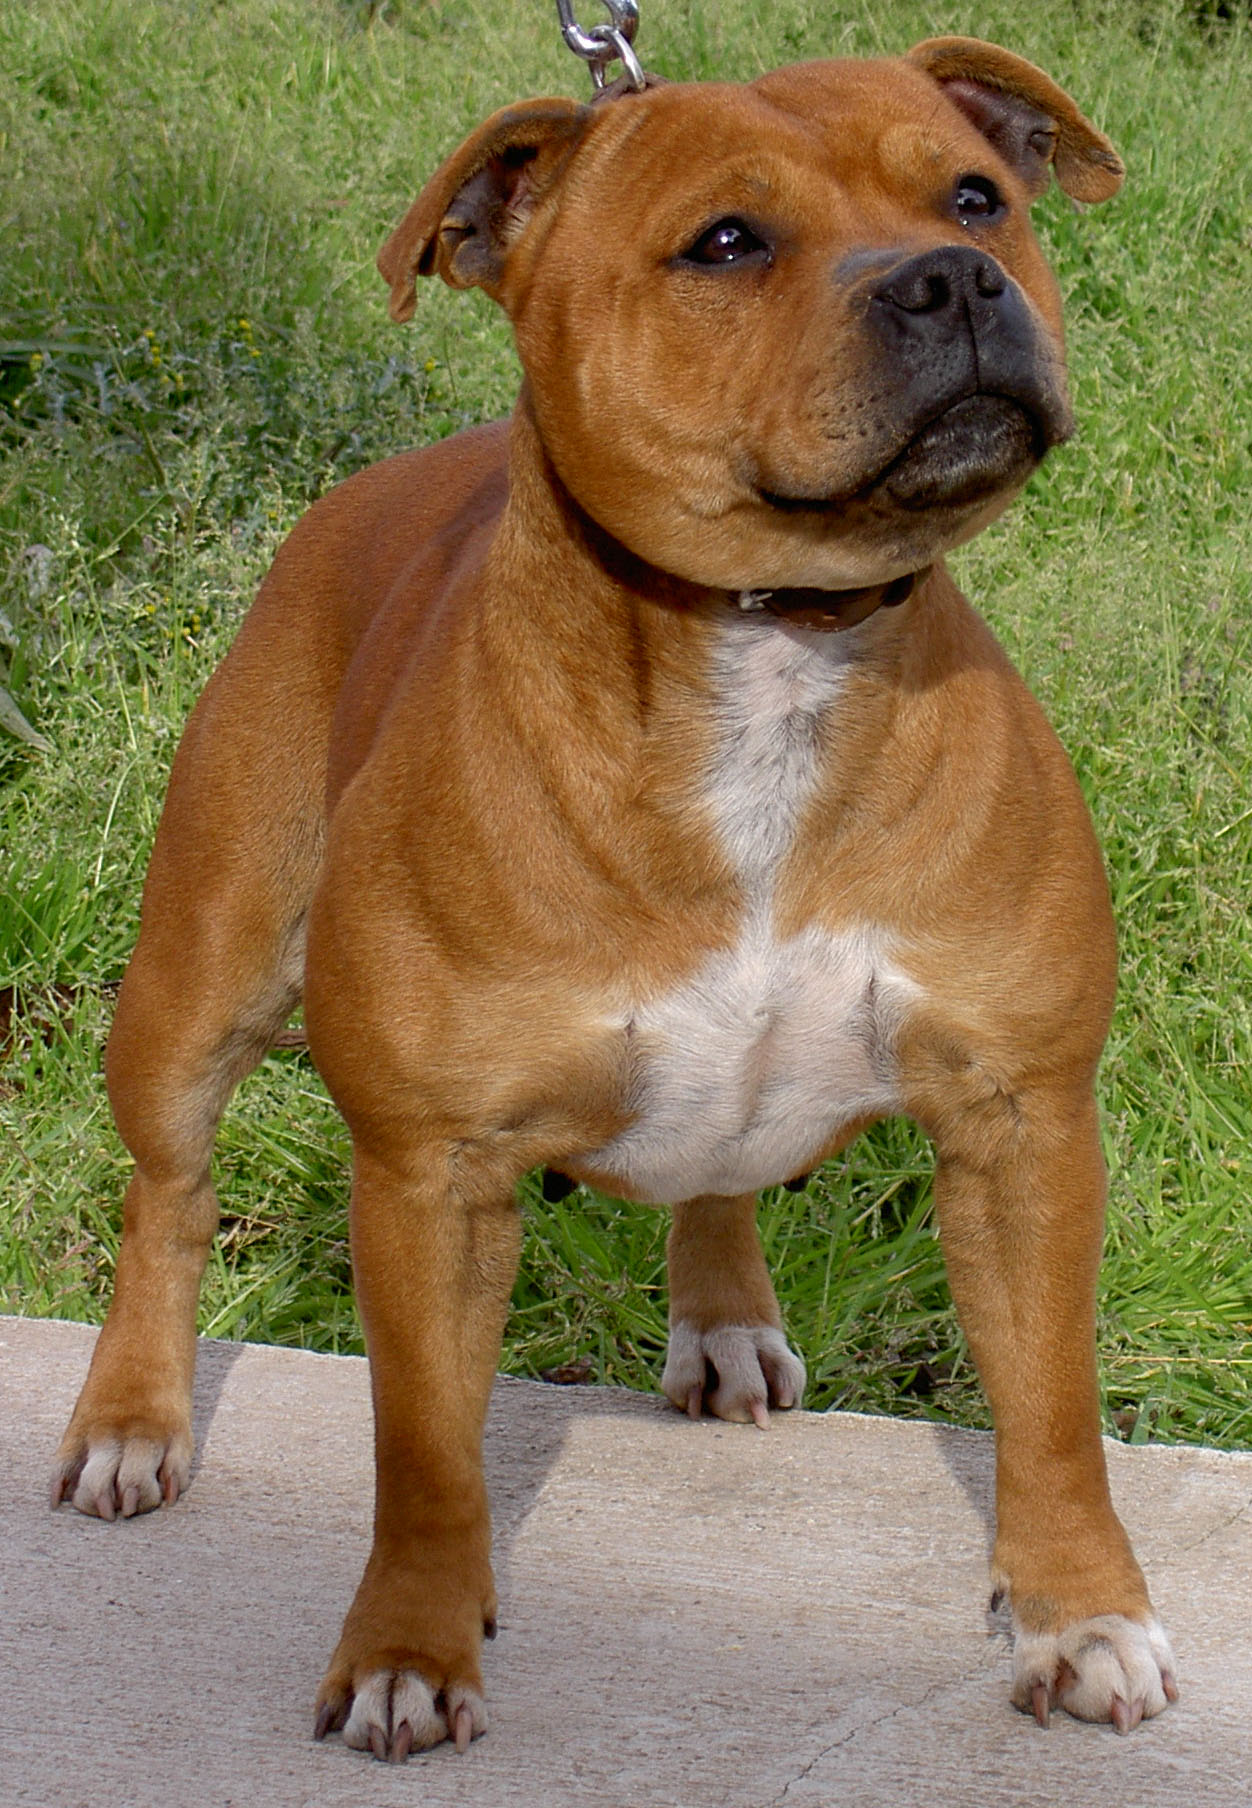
(628, 789)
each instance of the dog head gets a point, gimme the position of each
(797, 332)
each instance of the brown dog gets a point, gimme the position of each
(631, 791)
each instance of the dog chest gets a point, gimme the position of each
(741, 1075)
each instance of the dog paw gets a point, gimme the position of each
(394, 1712)
(732, 1371)
(1105, 1668)
(114, 1475)
(406, 1672)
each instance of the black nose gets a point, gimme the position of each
(941, 285)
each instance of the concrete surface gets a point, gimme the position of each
(690, 1614)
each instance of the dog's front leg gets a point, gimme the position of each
(727, 1351)
(434, 1249)
(1020, 1196)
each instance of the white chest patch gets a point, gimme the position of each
(742, 1075)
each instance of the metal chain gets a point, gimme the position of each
(601, 45)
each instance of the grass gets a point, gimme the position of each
(193, 344)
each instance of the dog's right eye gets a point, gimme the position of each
(726, 242)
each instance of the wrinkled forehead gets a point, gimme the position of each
(853, 124)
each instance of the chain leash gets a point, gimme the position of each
(601, 45)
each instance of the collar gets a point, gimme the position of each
(829, 611)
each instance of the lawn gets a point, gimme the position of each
(194, 344)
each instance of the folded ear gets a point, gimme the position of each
(1032, 123)
(473, 209)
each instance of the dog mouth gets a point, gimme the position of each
(981, 445)
(969, 452)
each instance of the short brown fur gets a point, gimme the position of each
(456, 782)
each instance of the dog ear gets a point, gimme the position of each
(1032, 123)
(470, 212)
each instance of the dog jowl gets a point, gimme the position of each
(628, 789)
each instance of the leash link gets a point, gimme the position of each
(601, 45)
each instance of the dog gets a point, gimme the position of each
(629, 790)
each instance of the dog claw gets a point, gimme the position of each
(325, 1720)
(378, 1743)
(104, 1504)
(695, 1402)
(1040, 1704)
(1169, 1685)
(130, 1501)
(760, 1413)
(1126, 1715)
(402, 1743)
(463, 1727)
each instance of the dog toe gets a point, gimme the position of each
(395, 1712)
(735, 1372)
(1107, 1668)
(116, 1476)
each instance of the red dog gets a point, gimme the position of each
(631, 790)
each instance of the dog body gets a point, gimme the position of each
(630, 791)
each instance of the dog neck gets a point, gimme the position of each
(536, 489)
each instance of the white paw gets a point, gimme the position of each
(733, 1371)
(395, 1712)
(1105, 1668)
(121, 1476)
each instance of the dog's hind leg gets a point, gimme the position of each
(727, 1352)
(215, 974)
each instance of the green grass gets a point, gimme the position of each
(193, 343)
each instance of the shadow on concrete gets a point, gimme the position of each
(969, 1457)
(214, 1361)
(519, 1458)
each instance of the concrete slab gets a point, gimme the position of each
(690, 1614)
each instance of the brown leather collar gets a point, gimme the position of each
(830, 610)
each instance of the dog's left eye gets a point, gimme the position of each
(977, 198)
(727, 242)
